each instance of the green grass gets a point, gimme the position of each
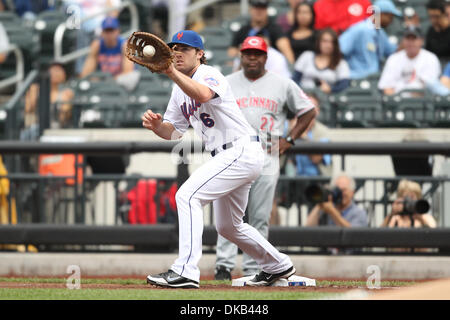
(155, 294)
(164, 294)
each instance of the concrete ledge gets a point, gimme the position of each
(132, 264)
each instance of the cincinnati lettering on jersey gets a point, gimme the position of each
(258, 102)
(188, 110)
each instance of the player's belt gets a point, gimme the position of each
(230, 145)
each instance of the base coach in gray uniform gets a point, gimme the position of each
(262, 96)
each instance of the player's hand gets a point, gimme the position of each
(283, 146)
(327, 206)
(151, 120)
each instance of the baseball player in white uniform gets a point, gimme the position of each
(262, 96)
(203, 99)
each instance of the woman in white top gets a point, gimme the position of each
(325, 68)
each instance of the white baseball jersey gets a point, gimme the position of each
(262, 100)
(217, 121)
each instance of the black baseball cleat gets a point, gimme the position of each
(171, 279)
(266, 279)
(222, 273)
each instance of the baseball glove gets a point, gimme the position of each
(159, 62)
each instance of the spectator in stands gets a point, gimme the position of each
(107, 53)
(28, 9)
(60, 106)
(411, 68)
(160, 15)
(339, 15)
(441, 86)
(445, 78)
(314, 164)
(261, 24)
(286, 20)
(276, 61)
(4, 44)
(343, 214)
(398, 218)
(92, 27)
(410, 17)
(323, 68)
(302, 33)
(365, 45)
(438, 35)
(447, 9)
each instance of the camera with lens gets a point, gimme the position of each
(411, 206)
(317, 193)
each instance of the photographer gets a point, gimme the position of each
(341, 212)
(401, 215)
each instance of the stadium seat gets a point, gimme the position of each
(216, 37)
(441, 112)
(9, 18)
(359, 91)
(402, 110)
(152, 92)
(216, 56)
(224, 66)
(359, 115)
(326, 115)
(45, 25)
(236, 24)
(277, 8)
(98, 104)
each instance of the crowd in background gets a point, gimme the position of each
(322, 45)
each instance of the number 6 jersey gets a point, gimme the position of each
(217, 121)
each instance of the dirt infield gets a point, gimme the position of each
(144, 286)
(433, 290)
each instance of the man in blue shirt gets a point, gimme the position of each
(344, 214)
(308, 165)
(364, 45)
(442, 86)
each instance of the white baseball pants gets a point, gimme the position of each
(224, 180)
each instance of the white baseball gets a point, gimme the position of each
(148, 51)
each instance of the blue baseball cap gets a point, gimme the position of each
(387, 6)
(187, 37)
(110, 23)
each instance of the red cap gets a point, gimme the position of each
(256, 43)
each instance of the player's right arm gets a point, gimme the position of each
(153, 121)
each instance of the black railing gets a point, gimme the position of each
(55, 228)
